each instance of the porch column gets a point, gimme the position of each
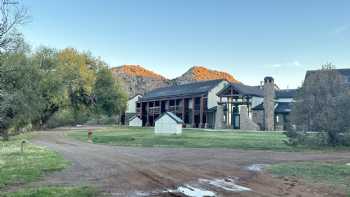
(147, 114)
(193, 122)
(183, 110)
(201, 112)
(154, 105)
(168, 105)
(140, 111)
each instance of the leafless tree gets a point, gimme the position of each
(323, 104)
(12, 15)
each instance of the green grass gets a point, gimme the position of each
(336, 174)
(190, 138)
(54, 192)
(17, 167)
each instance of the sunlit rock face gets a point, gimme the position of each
(200, 73)
(138, 80)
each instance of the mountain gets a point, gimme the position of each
(200, 73)
(138, 80)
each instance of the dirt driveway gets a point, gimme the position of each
(129, 171)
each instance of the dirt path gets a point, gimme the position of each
(128, 171)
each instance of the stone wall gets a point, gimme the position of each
(219, 118)
(245, 122)
(258, 118)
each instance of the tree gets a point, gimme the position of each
(20, 102)
(51, 84)
(78, 71)
(110, 98)
(322, 105)
(12, 15)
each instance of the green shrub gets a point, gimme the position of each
(101, 120)
(66, 117)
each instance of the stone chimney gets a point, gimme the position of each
(269, 104)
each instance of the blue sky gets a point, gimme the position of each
(249, 39)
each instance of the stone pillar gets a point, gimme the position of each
(201, 109)
(219, 117)
(245, 122)
(269, 104)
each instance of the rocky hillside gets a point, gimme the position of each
(200, 73)
(138, 80)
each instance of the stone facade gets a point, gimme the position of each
(245, 122)
(258, 118)
(219, 118)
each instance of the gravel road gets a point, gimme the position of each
(131, 171)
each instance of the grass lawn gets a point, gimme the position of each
(144, 137)
(54, 192)
(337, 174)
(16, 168)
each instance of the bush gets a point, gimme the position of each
(311, 139)
(66, 117)
(101, 120)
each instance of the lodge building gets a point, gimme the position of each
(217, 104)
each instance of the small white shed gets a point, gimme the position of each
(135, 121)
(168, 123)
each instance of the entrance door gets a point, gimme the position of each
(235, 118)
(235, 121)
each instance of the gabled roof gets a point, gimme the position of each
(130, 98)
(283, 107)
(172, 116)
(133, 117)
(244, 90)
(259, 107)
(199, 87)
(286, 93)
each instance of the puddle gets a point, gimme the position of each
(190, 191)
(256, 167)
(227, 184)
(348, 164)
(140, 193)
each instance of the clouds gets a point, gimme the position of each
(292, 64)
(342, 29)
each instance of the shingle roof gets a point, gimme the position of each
(133, 117)
(259, 107)
(245, 90)
(199, 87)
(286, 93)
(172, 116)
(283, 107)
